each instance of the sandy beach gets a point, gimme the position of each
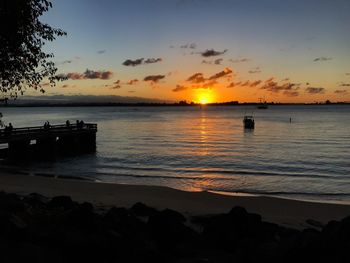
(285, 212)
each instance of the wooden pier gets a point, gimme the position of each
(49, 141)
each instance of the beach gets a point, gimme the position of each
(290, 213)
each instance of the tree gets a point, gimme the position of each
(23, 63)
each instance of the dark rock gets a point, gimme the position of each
(61, 202)
(314, 223)
(11, 202)
(141, 209)
(167, 228)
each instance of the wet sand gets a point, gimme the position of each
(286, 212)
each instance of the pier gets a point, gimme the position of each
(47, 141)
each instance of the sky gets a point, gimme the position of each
(203, 50)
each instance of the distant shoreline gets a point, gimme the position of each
(236, 104)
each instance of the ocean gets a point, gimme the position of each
(207, 148)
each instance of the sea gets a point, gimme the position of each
(295, 151)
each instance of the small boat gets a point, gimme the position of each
(248, 122)
(262, 105)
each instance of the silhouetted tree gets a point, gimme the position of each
(23, 63)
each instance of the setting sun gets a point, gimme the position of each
(205, 97)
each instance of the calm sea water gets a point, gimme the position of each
(198, 149)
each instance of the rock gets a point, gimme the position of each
(61, 202)
(167, 227)
(314, 223)
(141, 209)
(11, 203)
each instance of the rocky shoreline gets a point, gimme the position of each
(35, 228)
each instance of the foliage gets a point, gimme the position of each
(23, 63)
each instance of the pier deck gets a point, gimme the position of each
(40, 140)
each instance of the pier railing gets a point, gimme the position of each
(32, 133)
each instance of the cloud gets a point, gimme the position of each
(313, 90)
(133, 63)
(223, 73)
(347, 74)
(290, 93)
(141, 61)
(287, 88)
(88, 74)
(247, 83)
(341, 91)
(132, 82)
(239, 60)
(179, 88)
(196, 78)
(215, 62)
(101, 52)
(154, 78)
(116, 85)
(342, 84)
(212, 52)
(322, 59)
(91, 74)
(152, 60)
(255, 70)
(190, 46)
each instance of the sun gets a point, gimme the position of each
(203, 101)
(204, 97)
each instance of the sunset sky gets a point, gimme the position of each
(204, 50)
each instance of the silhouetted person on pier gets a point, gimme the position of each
(81, 124)
(8, 129)
(68, 124)
(47, 125)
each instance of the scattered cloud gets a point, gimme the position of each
(116, 85)
(223, 73)
(196, 78)
(132, 82)
(152, 60)
(88, 74)
(289, 89)
(215, 62)
(180, 88)
(255, 70)
(314, 90)
(133, 63)
(101, 51)
(247, 83)
(343, 91)
(347, 74)
(239, 60)
(141, 61)
(212, 52)
(131, 91)
(154, 78)
(291, 93)
(91, 74)
(320, 59)
(189, 45)
(342, 84)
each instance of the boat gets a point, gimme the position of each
(248, 122)
(262, 105)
